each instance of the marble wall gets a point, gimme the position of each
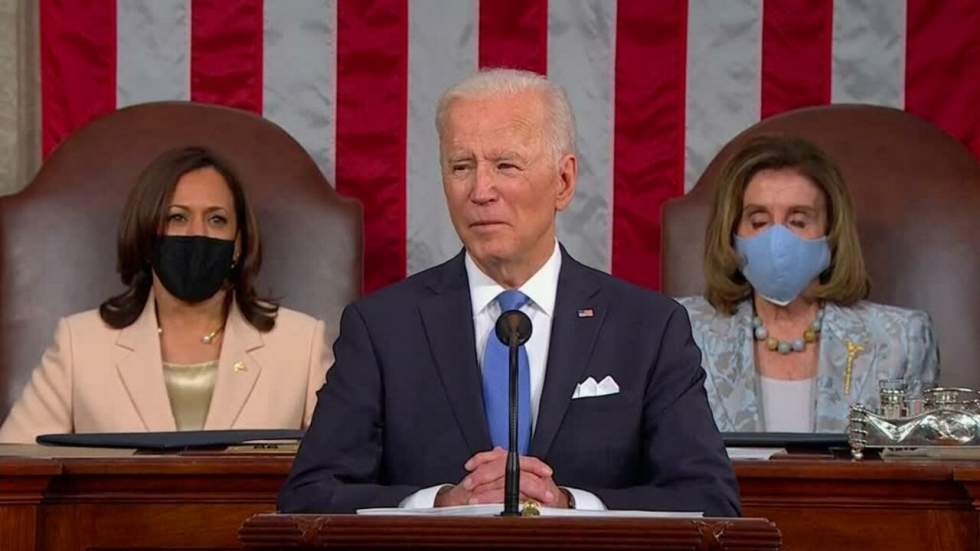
(20, 151)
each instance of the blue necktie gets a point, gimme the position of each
(495, 386)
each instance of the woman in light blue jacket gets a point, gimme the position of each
(787, 340)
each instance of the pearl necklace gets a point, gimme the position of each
(760, 333)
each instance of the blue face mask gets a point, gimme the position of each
(780, 264)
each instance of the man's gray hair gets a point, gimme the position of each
(499, 82)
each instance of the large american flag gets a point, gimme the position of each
(657, 87)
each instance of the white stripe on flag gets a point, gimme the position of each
(581, 58)
(442, 49)
(299, 84)
(868, 64)
(724, 75)
(152, 51)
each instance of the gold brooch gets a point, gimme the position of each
(853, 349)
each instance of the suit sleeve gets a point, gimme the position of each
(338, 468)
(321, 358)
(45, 405)
(686, 466)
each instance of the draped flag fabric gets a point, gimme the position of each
(657, 86)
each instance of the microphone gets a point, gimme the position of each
(513, 328)
(513, 324)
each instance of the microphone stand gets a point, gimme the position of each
(512, 479)
(513, 329)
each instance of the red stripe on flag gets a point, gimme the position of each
(226, 53)
(942, 66)
(514, 33)
(648, 152)
(372, 120)
(797, 46)
(78, 66)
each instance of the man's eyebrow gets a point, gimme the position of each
(507, 155)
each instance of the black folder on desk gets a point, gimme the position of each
(787, 440)
(169, 441)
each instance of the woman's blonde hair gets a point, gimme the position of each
(844, 282)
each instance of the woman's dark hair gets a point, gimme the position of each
(141, 224)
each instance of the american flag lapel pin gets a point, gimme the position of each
(586, 312)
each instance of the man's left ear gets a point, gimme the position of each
(567, 178)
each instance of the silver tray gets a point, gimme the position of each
(941, 417)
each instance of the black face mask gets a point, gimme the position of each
(193, 267)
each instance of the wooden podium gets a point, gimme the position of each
(271, 531)
(200, 502)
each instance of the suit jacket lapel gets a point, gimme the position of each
(843, 334)
(447, 318)
(238, 370)
(140, 367)
(572, 340)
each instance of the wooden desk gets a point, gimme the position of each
(201, 501)
(275, 532)
(147, 502)
(838, 504)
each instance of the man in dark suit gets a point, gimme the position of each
(613, 409)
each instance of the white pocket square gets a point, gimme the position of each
(591, 389)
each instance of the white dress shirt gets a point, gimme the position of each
(541, 289)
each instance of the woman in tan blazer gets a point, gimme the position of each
(189, 345)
